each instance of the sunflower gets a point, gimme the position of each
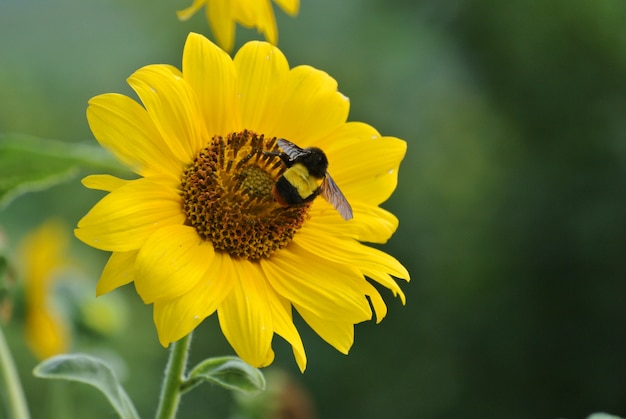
(43, 257)
(199, 231)
(224, 14)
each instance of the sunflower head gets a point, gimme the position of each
(227, 197)
(204, 228)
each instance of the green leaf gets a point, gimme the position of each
(89, 370)
(30, 164)
(229, 372)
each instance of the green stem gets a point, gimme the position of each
(17, 407)
(171, 390)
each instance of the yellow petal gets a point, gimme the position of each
(337, 332)
(106, 183)
(370, 224)
(245, 317)
(320, 286)
(43, 257)
(313, 108)
(173, 260)
(191, 10)
(119, 271)
(267, 23)
(350, 135)
(348, 251)
(123, 219)
(263, 74)
(291, 7)
(173, 107)
(378, 304)
(257, 14)
(122, 126)
(247, 12)
(371, 262)
(377, 223)
(177, 317)
(46, 334)
(283, 325)
(385, 280)
(222, 22)
(211, 74)
(42, 252)
(372, 176)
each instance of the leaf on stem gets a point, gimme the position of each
(229, 372)
(89, 370)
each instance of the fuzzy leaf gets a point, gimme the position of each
(229, 372)
(89, 370)
(31, 164)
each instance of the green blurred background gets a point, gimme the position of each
(511, 199)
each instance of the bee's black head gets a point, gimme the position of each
(315, 161)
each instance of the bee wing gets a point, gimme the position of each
(290, 149)
(331, 193)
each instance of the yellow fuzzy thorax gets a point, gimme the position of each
(305, 184)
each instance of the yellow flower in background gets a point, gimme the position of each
(200, 232)
(223, 15)
(43, 256)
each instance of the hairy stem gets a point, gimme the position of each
(174, 376)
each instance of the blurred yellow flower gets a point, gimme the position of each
(223, 15)
(43, 255)
(199, 232)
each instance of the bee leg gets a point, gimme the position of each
(283, 156)
(272, 153)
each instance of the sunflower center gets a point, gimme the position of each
(227, 197)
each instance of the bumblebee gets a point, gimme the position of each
(306, 177)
